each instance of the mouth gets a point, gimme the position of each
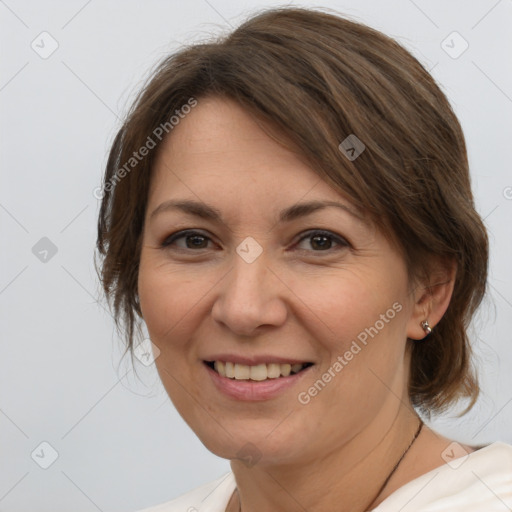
(258, 372)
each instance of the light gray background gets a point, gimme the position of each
(121, 445)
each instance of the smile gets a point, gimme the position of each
(258, 372)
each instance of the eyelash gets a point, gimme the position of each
(166, 244)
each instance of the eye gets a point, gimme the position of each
(322, 241)
(319, 240)
(193, 240)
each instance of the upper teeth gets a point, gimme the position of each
(256, 372)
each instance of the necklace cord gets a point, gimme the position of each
(382, 487)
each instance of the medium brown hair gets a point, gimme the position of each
(318, 78)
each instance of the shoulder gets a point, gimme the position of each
(480, 480)
(210, 497)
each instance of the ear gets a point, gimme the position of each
(432, 296)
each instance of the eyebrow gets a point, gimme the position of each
(289, 214)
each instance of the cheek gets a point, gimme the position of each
(352, 302)
(166, 300)
(363, 316)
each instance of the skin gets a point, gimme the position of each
(297, 300)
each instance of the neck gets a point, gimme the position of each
(345, 478)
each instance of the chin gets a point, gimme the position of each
(250, 450)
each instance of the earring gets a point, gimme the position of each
(426, 327)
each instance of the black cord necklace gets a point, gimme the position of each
(396, 466)
(382, 487)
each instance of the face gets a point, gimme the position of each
(233, 271)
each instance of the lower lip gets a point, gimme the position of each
(251, 390)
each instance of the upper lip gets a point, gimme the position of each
(254, 359)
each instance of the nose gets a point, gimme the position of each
(250, 297)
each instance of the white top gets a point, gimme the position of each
(478, 482)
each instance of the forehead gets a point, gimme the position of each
(218, 122)
(222, 144)
(243, 170)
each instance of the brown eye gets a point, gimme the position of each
(323, 240)
(193, 240)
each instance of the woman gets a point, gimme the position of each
(289, 211)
